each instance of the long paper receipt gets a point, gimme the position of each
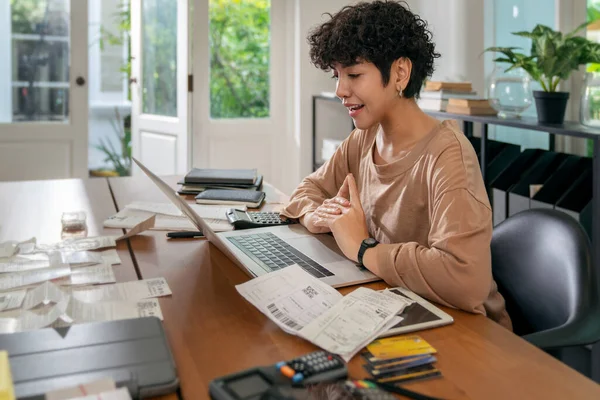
(302, 305)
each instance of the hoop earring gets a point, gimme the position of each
(400, 93)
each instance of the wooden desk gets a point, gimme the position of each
(213, 331)
(34, 208)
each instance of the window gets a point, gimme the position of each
(513, 16)
(239, 58)
(38, 63)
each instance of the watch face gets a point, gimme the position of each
(370, 241)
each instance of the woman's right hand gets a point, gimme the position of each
(314, 221)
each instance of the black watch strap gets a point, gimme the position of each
(366, 244)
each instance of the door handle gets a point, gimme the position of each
(80, 81)
(132, 80)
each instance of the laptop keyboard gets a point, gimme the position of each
(272, 253)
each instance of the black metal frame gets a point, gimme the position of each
(568, 128)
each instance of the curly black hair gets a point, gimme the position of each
(379, 32)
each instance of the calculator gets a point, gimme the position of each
(282, 380)
(241, 219)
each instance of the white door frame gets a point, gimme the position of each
(72, 137)
(150, 130)
(226, 142)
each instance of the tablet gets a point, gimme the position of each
(418, 316)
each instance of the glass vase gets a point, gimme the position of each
(509, 92)
(589, 110)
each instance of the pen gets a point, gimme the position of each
(184, 234)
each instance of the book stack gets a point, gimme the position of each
(239, 187)
(400, 359)
(470, 107)
(201, 179)
(436, 94)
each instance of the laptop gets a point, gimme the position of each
(262, 250)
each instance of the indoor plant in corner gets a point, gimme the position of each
(553, 57)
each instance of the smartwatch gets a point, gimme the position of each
(366, 244)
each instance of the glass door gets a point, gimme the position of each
(159, 49)
(43, 89)
(239, 98)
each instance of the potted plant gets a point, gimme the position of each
(553, 57)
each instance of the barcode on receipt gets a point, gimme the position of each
(281, 317)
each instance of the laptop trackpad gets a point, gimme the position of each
(317, 250)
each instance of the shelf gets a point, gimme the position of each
(37, 37)
(568, 128)
(48, 85)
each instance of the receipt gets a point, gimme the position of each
(302, 305)
(95, 274)
(128, 218)
(355, 320)
(9, 325)
(44, 294)
(290, 297)
(117, 394)
(80, 244)
(11, 300)
(98, 388)
(125, 291)
(205, 211)
(18, 279)
(88, 258)
(92, 312)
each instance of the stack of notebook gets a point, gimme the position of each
(201, 179)
(224, 186)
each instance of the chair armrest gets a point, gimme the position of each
(579, 332)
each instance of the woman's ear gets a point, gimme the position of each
(403, 68)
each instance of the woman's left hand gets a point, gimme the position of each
(350, 227)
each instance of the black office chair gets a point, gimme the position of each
(542, 263)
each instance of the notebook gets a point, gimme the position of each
(214, 176)
(248, 198)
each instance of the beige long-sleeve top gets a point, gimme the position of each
(428, 209)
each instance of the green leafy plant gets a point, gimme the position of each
(553, 55)
(120, 159)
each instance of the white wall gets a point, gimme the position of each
(457, 26)
(458, 33)
(306, 80)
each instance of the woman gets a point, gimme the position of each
(403, 195)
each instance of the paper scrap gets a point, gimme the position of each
(117, 394)
(12, 300)
(85, 389)
(125, 291)
(8, 249)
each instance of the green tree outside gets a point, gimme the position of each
(239, 58)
